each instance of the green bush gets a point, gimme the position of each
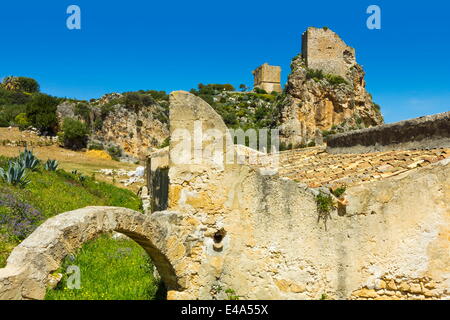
(74, 134)
(13, 97)
(9, 112)
(335, 79)
(165, 143)
(22, 121)
(95, 146)
(24, 84)
(338, 192)
(82, 110)
(324, 202)
(115, 152)
(41, 111)
(260, 91)
(316, 75)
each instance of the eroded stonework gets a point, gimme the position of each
(235, 226)
(324, 50)
(267, 77)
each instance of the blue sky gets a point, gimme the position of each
(174, 45)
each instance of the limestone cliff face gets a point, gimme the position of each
(317, 101)
(134, 129)
(136, 132)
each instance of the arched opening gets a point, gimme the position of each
(32, 263)
(109, 267)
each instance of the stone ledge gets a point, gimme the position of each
(420, 133)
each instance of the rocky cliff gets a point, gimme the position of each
(128, 125)
(317, 102)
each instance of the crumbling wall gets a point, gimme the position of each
(420, 133)
(324, 50)
(261, 236)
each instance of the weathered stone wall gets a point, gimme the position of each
(268, 78)
(230, 226)
(324, 50)
(262, 237)
(420, 133)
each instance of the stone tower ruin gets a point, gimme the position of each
(267, 77)
(323, 49)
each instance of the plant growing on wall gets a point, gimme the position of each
(324, 207)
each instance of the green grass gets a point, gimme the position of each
(110, 270)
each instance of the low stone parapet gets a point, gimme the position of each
(426, 132)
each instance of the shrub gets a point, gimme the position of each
(22, 121)
(74, 134)
(41, 111)
(9, 112)
(25, 84)
(324, 202)
(338, 192)
(20, 218)
(82, 110)
(96, 146)
(115, 152)
(260, 91)
(317, 75)
(165, 143)
(335, 79)
(324, 206)
(3, 122)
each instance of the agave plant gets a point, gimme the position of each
(51, 165)
(15, 174)
(28, 160)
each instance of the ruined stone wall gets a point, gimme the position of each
(324, 50)
(261, 235)
(420, 133)
(233, 226)
(268, 78)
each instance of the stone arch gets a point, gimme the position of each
(31, 263)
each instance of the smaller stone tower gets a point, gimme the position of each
(268, 78)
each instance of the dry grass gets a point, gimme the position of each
(68, 160)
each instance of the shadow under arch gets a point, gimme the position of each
(30, 264)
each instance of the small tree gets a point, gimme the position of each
(74, 134)
(243, 87)
(21, 84)
(41, 111)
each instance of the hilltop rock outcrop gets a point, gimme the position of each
(325, 92)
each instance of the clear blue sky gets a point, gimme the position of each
(174, 45)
